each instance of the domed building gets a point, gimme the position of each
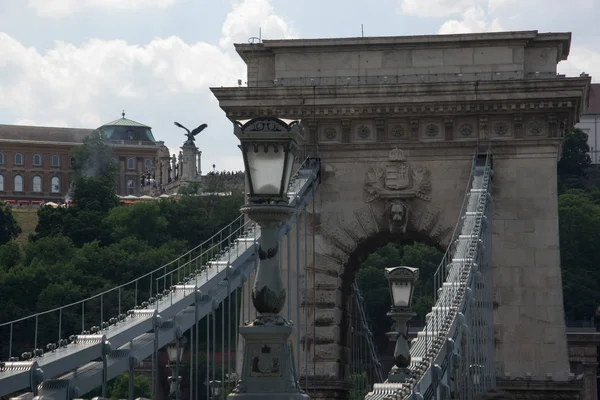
(36, 163)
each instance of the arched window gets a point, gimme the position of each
(130, 187)
(37, 160)
(55, 161)
(130, 163)
(18, 183)
(18, 159)
(1, 158)
(148, 164)
(55, 184)
(37, 184)
(1, 183)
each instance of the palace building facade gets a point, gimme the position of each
(36, 162)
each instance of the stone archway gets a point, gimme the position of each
(437, 98)
(359, 207)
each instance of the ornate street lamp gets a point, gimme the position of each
(402, 282)
(268, 146)
(175, 354)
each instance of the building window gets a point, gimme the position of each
(37, 160)
(18, 184)
(130, 187)
(148, 164)
(1, 183)
(1, 158)
(55, 161)
(130, 163)
(18, 159)
(55, 184)
(71, 162)
(37, 184)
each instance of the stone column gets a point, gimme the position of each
(188, 162)
(164, 174)
(346, 130)
(199, 165)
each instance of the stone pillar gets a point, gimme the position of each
(188, 162)
(173, 167)
(179, 165)
(164, 174)
(199, 165)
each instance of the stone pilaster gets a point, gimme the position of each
(449, 128)
(346, 130)
(380, 127)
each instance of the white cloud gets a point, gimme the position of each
(247, 17)
(580, 60)
(436, 8)
(473, 20)
(59, 8)
(87, 85)
(157, 82)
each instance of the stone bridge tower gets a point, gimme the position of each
(396, 121)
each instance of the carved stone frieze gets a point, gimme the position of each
(432, 131)
(329, 133)
(466, 130)
(363, 132)
(535, 127)
(501, 128)
(398, 132)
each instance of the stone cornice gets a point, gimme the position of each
(562, 40)
(492, 97)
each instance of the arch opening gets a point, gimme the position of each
(367, 263)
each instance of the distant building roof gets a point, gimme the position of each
(125, 122)
(594, 106)
(43, 133)
(126, 129)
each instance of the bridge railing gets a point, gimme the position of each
(29, 337)
(463, 301)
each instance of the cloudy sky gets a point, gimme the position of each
(78, 63)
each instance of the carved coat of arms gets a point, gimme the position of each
(395, 183)
(397, 180)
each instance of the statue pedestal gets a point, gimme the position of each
(188, 173)
(268, 372)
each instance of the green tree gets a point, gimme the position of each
(579, 226)
(119, 387)
(9, 228)
(142, 221)
(94, 157)
(575, 158)
(10, 255)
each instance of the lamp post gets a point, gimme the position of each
(175, 353)
(402, 284)
(268, 372)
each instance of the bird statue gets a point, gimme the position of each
(190, 135)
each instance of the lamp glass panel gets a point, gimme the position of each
(401, 294)
(172, 352)
(288, 172)
(266, 169)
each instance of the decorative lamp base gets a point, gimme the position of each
(269, 371)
